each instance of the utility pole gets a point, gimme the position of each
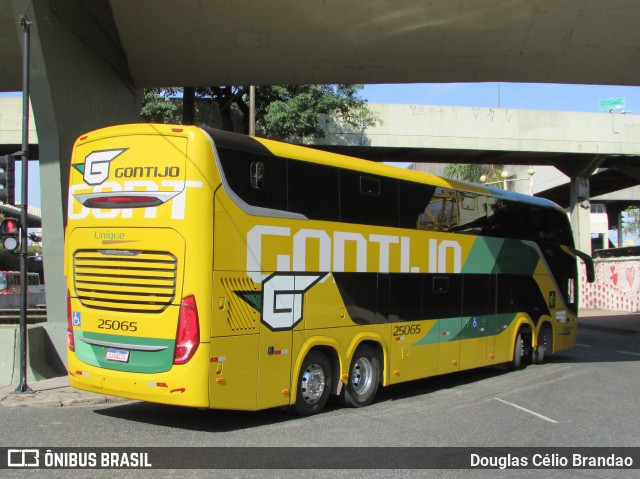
(252, 110)
(23, 387)
(189, 105)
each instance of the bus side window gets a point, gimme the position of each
(369, 186)
(442, 296)
(441, 214)
(313, 190)
(468, 201)
(503, 219)
(440, 284)
(472, 213)
(413, 197)
(259, 180)
(368, 200)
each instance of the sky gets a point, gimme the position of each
(526, 96)
(580, 98)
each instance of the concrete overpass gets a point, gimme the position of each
(91, 57)
(453, 134)
(331, 41)
(570, 141)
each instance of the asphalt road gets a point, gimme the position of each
(580, 398)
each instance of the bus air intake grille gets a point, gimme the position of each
(125, 280)
(245, 303)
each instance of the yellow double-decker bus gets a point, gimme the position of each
(216, 270)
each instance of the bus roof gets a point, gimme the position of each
(264, 146)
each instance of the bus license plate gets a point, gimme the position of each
(119, 355)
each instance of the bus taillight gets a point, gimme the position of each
(70, 341)
(123, 201)
(188, 336)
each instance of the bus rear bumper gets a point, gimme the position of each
(185, 385)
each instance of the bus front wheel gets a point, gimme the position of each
(364, 377)
(314, 384)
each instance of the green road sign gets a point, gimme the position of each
(612, 103)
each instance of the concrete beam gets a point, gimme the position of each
(78, 83)
(628, 168)
(495, 130)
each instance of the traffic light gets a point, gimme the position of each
(7, 179)
(10, 234)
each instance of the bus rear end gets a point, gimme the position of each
(138, 263)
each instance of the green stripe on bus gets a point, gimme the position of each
(456, 329)
(139, 361)
(484, 254)
(517, 257)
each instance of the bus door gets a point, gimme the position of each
(235, 327)
(442, 299)
(478, 305)
(414, 344)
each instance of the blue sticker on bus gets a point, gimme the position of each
(77, 320)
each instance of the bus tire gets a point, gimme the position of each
(314, 384)
(364, 377)
(544, 345)
(518, 353)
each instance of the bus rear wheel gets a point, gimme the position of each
(364, 375)
(314, 384)
(518, 353)
(544, 345)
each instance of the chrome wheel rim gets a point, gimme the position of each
(312, 384)
(362, 376)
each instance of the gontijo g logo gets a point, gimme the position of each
(96, 165)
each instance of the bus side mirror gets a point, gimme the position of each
(588, 263)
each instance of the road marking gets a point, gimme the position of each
(527, 410)
(629, 353)
(584, 345)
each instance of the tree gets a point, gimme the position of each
(632, 221)
(159, 106)
(295, 110)
(472, 173)
(286, 112)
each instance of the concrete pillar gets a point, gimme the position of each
(580, 211)
(79, 81)
(620, 230)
